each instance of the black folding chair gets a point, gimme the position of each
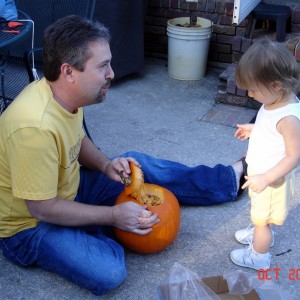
(46, 12)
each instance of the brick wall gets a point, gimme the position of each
(227, 42)
(229, 93)
(218, 11)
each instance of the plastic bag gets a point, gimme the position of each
(184, 284)
(269, 290)
(8, 10)
(240, 282)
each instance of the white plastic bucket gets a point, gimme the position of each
(188, 48)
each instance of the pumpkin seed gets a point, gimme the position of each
(126, 180)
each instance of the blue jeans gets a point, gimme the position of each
(89, 256)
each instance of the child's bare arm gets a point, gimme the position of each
(243, 132)
(289, 127)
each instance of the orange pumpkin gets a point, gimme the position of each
(159, 200)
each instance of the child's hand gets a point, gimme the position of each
(243, 132)
(256, 183)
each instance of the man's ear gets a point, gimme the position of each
(67, 72)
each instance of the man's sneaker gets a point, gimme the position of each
(248, 258)
(245, 236)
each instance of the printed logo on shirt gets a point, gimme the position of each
(74, 151)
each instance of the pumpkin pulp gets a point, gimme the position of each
(137, 189)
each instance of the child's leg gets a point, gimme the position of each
(246, 235)
(257, 255)
(267, 207)
(262, 238)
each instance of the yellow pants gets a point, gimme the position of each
(271, 205)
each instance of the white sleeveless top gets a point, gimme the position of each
(266, 145)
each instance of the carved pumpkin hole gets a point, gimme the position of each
(151, 200)
(148, 196)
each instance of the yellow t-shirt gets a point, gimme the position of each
(39, 147)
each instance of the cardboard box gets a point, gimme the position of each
(217, 284)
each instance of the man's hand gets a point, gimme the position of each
(119, 165)
(132, 217)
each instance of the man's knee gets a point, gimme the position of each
(109, 279)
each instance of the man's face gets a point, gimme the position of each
(94, 81)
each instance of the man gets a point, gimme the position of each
(57, 189)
